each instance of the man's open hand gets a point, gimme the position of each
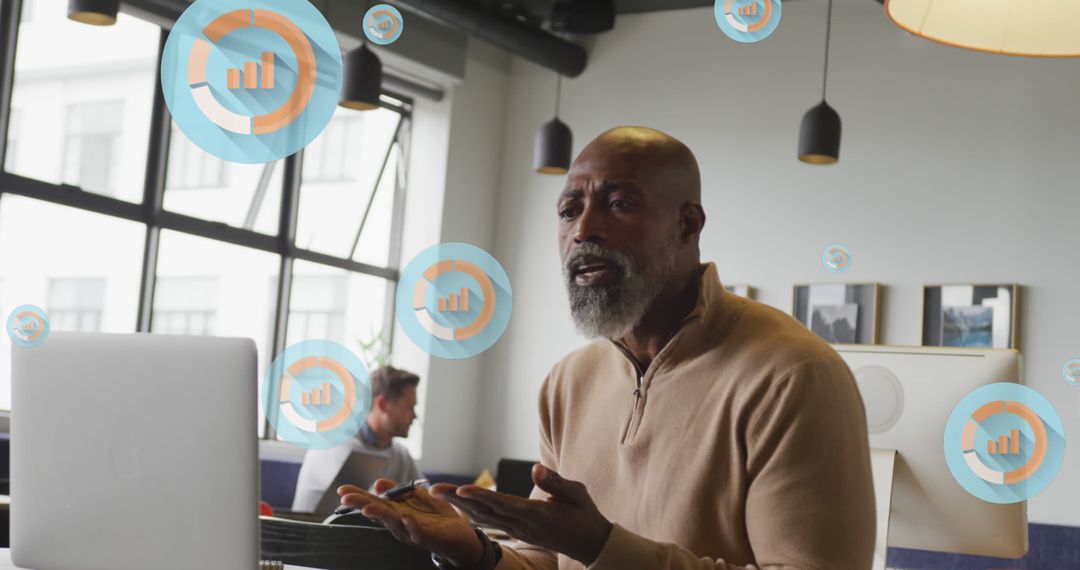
(567, 521)
(420, 520)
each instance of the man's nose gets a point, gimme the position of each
(590, 225)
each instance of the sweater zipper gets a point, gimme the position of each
(635, 412)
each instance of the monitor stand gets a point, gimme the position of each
(882, 462)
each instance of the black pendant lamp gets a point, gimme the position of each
(819, 135)
(362, 80)
(94, 12)
(553, 142)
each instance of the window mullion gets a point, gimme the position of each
(9, 32)
(157, 157)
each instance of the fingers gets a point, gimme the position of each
(359, 498)
(561, 489)
(440, 490)
(390, 519)
(383, 485)
(348, 489)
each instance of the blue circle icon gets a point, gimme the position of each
(1070, 371)
(1004, 443)
(454, 300)
(28, 326)
(316, 394)
(251, 81)
(747, 21)
(836, 257)
(383, 24)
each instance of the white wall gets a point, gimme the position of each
(955, 167)
(471, 165)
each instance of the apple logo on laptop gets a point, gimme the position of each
(124, 458)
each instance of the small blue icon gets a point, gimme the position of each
(1070, 371)
(1004, 443)
(836, 257)
(747, 21)
(251, 81)
(383, 24)
(28, 326)
(316, 394)
(454, 300)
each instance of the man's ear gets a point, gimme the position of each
(691, 220)
(380, 403)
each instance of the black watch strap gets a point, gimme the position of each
(490, 559)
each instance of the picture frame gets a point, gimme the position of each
(741, 290)
(840, 313)
(971, 315)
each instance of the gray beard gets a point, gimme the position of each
(612, 311)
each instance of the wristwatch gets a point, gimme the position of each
(490, 559)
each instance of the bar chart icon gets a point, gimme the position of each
(249, 76)
(749, 10)
(319, 396)
(1005, 444)
(455, 302)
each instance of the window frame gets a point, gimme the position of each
(151, 213)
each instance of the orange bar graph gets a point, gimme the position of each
(442, 305)
(326, 393)
(1014, 435)
(268, 70)
(453, 302)
(465, 299)
(251, 75)
(233, 76)
(1003, 444)
(304, 399)
(991, 447)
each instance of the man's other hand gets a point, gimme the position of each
(567, 521)
(419, 520)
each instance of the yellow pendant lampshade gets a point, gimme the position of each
(1042, 28)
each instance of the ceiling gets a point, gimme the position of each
(536, 11)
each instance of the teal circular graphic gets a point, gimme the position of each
(383, 24)
(251, 81)
(747, 21)
(836, 257)
(1004, 443)
(28, 326)
(316, 394)
(454, 300)
(1070, 371)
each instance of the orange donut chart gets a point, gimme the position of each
(743, 27)
(32, 332)
(285, 399)
(306, 73)
(487, 291)
(393, 19)
(967, 443)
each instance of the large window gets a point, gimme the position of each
(178, 241)
(91, 145)
(76, 304)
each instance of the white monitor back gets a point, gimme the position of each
(131, 452)
(909, 393)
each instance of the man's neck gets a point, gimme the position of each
(382, 437)
(663, 319)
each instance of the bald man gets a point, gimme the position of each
(701, 430)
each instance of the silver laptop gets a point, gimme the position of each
(131, 452)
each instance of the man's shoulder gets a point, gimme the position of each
(764, 339)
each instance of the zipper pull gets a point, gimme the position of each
(637, 392)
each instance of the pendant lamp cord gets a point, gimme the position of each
(558, 93)
(828, 33)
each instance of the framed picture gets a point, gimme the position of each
(971, 316)
(741, 290)
(842, 313)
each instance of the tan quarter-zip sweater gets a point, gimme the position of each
(746, 448)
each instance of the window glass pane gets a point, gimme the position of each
(374, 244)
(86, 278)
(201, 185)
(12, 152)
(215, 288)
(338, 305)
(339, 173)
(89, 97)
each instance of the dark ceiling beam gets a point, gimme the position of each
(538, 46)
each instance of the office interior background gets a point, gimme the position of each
(956, 167)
